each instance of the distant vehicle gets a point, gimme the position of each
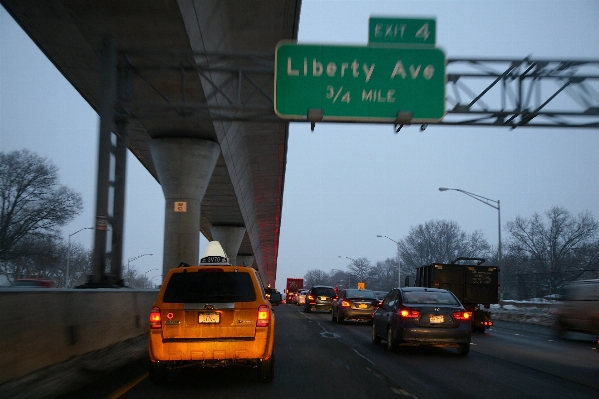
(293, 285)
(273, 296)
(422, 316)
(319, 297)
(211, 315)
(301, 297)
(354, 304)
(579, 310)
(476, 286)
(35, 282)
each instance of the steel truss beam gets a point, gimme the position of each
(479, 92)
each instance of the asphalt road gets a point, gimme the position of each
(316, 358)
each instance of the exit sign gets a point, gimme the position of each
(404, 31)
(353, 83)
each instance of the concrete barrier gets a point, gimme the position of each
(43, 327)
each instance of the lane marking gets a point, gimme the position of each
(363, 357)
(126, 388)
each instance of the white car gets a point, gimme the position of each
(301, 297)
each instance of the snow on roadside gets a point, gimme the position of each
(538, 312)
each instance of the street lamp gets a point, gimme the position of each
(398, 260)
(66, 278)
(348, 274)
(487, 201)
(136, 257)
(145, 273)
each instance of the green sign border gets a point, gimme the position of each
(295, 95)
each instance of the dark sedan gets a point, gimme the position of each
(354, 304)
(422, 316)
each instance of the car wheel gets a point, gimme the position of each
(375, 338)
(158, 373)
(339, 318)
(333, 316)
(391, 344)
(266, 369)
(307, 309)
(463, 349)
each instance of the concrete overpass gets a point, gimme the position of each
(228, 174)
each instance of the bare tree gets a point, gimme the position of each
(32, 202)
(361, 271)
(315, 277)
(561, 245)
(384, 276)
(440, 241)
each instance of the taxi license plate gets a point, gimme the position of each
(362, 306)
(436, 319)
(208, 318)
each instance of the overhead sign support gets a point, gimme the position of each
(398, 78)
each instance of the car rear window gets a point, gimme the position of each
(323, 291)
(424, 297)
(209, 287)
(361, 294)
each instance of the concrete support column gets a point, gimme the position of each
(230, 238)
(184, 167)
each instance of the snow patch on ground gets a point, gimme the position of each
(538, 312)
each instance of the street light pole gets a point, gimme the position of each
(348, 274)
(398, 260)
(487, 201)
(66, 278)
(136, 257)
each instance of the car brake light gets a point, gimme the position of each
(409, 313)
(462, 315)
(155, 318)
(311, 297)
(263, 319)
(345, 304)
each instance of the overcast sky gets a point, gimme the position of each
(347, 183)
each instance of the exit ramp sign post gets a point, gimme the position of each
(398, 77)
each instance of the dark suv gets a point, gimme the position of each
(319, 297)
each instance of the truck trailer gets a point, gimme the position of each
(293, 285)
(476, 286)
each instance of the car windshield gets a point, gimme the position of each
(428, 297)
(361, 294)
(209, 287)
(323, 291)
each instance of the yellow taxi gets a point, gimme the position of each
(213, 314)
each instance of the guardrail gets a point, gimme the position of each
(44, 327)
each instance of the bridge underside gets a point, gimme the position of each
(246, 187)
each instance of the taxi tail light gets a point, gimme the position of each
(263, 318)
(409, 313)
(155, 318)
(462, 315)
(345, 304)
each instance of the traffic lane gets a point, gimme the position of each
(572, 358)
(310, 360)
(434, 372)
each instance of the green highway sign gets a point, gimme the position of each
(353, 83)
(402, 31)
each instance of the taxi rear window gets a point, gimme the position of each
(216, 287)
